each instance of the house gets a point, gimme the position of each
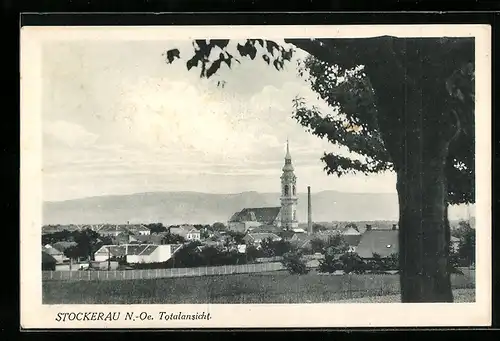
(266, 228)
(254, 217)
(55, 253)
(48, 262)
(48, 229)
(353, 241)
(124, 237)
(111, 230)
(188, 232)
(137, 253)
(153, 238)
(138, 230)
(258, 238)
(302, 240)
(110, 251)
(350, 230)
(382, 242)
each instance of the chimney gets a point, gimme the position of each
(394, 227)
(368, 227)
(309, 212)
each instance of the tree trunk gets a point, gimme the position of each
(422, 192)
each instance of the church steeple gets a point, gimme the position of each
(288, 159)
(287, 155)
(288, 193)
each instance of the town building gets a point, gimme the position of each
(250, 218)
(383, 242)
(188, 232)
(137, 253)
(257, 238)
(282, 217)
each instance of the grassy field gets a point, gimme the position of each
(275, 287)
(459, 296)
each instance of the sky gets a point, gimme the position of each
(117, 119)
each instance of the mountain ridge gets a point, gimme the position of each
(206, 208)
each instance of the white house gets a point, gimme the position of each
(257, 238)
(188, 232)
(137, 253)
(55, 253)
(138, 230)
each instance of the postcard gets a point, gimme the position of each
(255, 176)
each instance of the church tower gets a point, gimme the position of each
(288, 194)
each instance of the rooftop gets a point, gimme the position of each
(381, 242)
(265, 215)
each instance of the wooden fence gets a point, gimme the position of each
(159, 273)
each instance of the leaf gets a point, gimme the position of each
(213, 68)
(270, 46)
(266, 59)
(192, 62)
(242, 50)
(222, 43)
(172, 54)
(252, 51)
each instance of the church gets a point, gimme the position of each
(282, 217)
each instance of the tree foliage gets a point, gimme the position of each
(275, 248)
(340, 72)
(156, 227)
(172, 238)
(295, 263)
(395, 105)
(467, 244)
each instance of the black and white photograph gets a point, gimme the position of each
(255, 176)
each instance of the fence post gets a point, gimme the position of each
(98, 274)
(89, 275)
(225, 269)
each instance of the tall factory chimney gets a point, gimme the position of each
(309, 212)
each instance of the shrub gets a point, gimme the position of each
(294, 263)
(348, 262)
(352, 263)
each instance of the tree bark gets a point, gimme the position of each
(422, 192)
(417, 130)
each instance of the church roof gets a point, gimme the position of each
(265, 215)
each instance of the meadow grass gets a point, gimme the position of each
(274, 287)
(459, 296)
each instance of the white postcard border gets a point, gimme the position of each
(36, 315)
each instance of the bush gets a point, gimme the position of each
(275, 248)
(294, 263)
(352, 263)
(348, 262)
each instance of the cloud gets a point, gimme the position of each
(68, 133)
(115, 124)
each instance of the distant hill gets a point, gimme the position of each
(192, 207)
